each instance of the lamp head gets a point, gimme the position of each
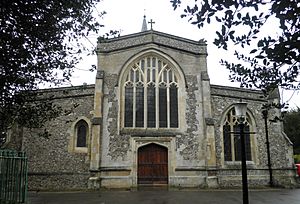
(240, 110)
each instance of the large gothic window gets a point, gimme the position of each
(232, 140)
(151, 94)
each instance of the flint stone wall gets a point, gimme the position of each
(113, 55)
(281, 148)
(51, 165)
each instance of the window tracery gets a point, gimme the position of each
(151, 94)
(231, 137)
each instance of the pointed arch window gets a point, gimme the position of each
(81, 133)
(231, 138)
(151, 94)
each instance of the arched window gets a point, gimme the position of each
(81, 133)
(150, 94)
(232, 140)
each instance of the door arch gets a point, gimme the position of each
(152, 164)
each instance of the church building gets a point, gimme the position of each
(153, 118)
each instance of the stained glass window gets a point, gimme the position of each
(139, 118)
(128, 106)
(227, 142)
(151, 94)
(162, 107)
(173, 106)
(151, 116)
(232, 140)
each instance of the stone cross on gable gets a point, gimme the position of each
(151, 22)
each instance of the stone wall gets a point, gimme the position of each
(229, 175)
(54, 163)
(51, 163)
(151, 36)
(188, 142)
(119, 145)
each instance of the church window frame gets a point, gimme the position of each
(81, 134)
(76, 145)
(156, 76)
(231, 138)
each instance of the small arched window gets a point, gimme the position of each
(232, 140)
(81, 133)
(150, 94)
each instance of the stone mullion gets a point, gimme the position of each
(156, 98)
(168, 100)
(123, 106)
(145, 105)
(157, 105)
(134, 105)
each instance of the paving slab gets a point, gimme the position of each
(262, 196)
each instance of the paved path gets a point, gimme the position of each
(269, 196)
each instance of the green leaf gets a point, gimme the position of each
(218, 19)
(223, 30)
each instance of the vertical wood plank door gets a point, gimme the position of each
(152, 164)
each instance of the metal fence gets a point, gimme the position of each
(13, 177)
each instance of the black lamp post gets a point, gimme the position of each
(265, 116)
(240, 111)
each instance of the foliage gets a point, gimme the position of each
(37, 46)
(292, 128)
(297, 158)
(273, 60)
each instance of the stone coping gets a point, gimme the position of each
(148, 37)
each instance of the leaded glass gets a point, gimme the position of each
(150, 94)
(162, 107)
(128, 107)
(248, 143)
(81, 133)
(232, 138)
(151, 116)
(237, 143)
(143, 65)
(173, 107)
(139, 101)
(227, 143)
(153, 62)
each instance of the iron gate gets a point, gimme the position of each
(13, 177)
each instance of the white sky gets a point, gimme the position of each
(127, 16)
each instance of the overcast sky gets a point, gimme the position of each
(127, 16)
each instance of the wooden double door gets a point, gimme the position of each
(152, 164)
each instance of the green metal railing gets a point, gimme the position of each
(13, 177)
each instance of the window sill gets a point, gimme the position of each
(237, 164)
(82, 150)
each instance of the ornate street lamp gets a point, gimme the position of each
(240, 111)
